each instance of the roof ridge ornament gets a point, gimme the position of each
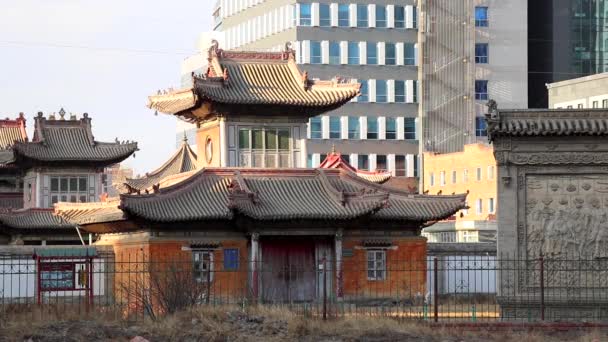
(289, 52)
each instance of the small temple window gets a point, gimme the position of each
(231, 259)
(264, 147)
(203, 265)
(381, 16)
(362, 15)
(343, 15)
(372, 128)
(324, 15)
(409, 54)
(69, 189)
(390, 56)
(400, 166)
(335, 127)
(391, 128)
(376, 264)
(372, 53)
(334, 52)
(353, 127)
(305, 15)
(316, 128)
(399, 17)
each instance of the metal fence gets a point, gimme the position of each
(467, 288)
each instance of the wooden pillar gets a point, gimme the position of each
(254, 265)
(338, 250)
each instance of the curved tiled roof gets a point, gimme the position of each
(70, 141)
(12, 131)
(183, 160)
(547, 122)
(255, 78)
(30, 219)
(334, 161)
(87, 213)
(285, 194)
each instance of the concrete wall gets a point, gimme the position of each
(587, 92)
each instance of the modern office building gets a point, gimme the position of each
(472, 51)
(583, 92)
(567, 39)
(372, 42)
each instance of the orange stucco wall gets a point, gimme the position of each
(212, 131)
(405, 270)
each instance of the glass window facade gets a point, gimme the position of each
(381, 91)
(380, 16)
(334, 52)
(69, 189)
(335, 128)
(391, 128)
(399, 17)
(363, 162)
(409, 128)
(480, 127)
(481, 90)
(409, 54)
(324, 15)
(390, 57)
(316, 131)
(364, 91)
(305, 15)
(315, 52)
(400, 91)
(343, 15)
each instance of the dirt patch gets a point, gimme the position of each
(225, 324)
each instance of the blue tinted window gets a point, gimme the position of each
(362, 16)
(335, 127)
(316, 128)
(343, 15)
(324, 15)
(481, 53)
(363, 162)
(399, 91)
(391, 128)
(399, 17)
(353, 53)
(381, 96)
(309, 160)
(305, 15)
(372, 53)
(353, 127)
(389, 54)
(380, 16)
(231, 259)
(409, 128)
(481, 16)
(334, 53)
(372, 128)
(364, 91)
(409, 55)
(481, 90)
(315, 52)
(480, 127)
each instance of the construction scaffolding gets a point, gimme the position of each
(447, 74)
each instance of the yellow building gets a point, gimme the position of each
(473, 170)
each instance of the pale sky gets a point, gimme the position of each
(100, 57)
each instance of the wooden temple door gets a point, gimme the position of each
(288, 271)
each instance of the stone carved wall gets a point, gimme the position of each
(567, 220)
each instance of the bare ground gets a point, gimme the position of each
(229, 324)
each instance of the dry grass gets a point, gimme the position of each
(260, 324)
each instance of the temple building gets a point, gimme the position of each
(250, 210)
(62, 163)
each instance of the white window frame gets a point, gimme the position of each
(479, 206)
(491, 205)
(197, 256)
(376, 264)
(442, 178)
(65, 196)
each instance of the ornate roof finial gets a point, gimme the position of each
(214, 49)
(185, 139)
(72, 116)
(333, 148)
(62, 113)
(52, 116)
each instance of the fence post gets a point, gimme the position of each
(435, 290)
(542, 287)
(324, 288)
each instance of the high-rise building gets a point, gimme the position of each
(567, 39)
(372, 42)
(472, 51)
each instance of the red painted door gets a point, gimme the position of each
(288, 271)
